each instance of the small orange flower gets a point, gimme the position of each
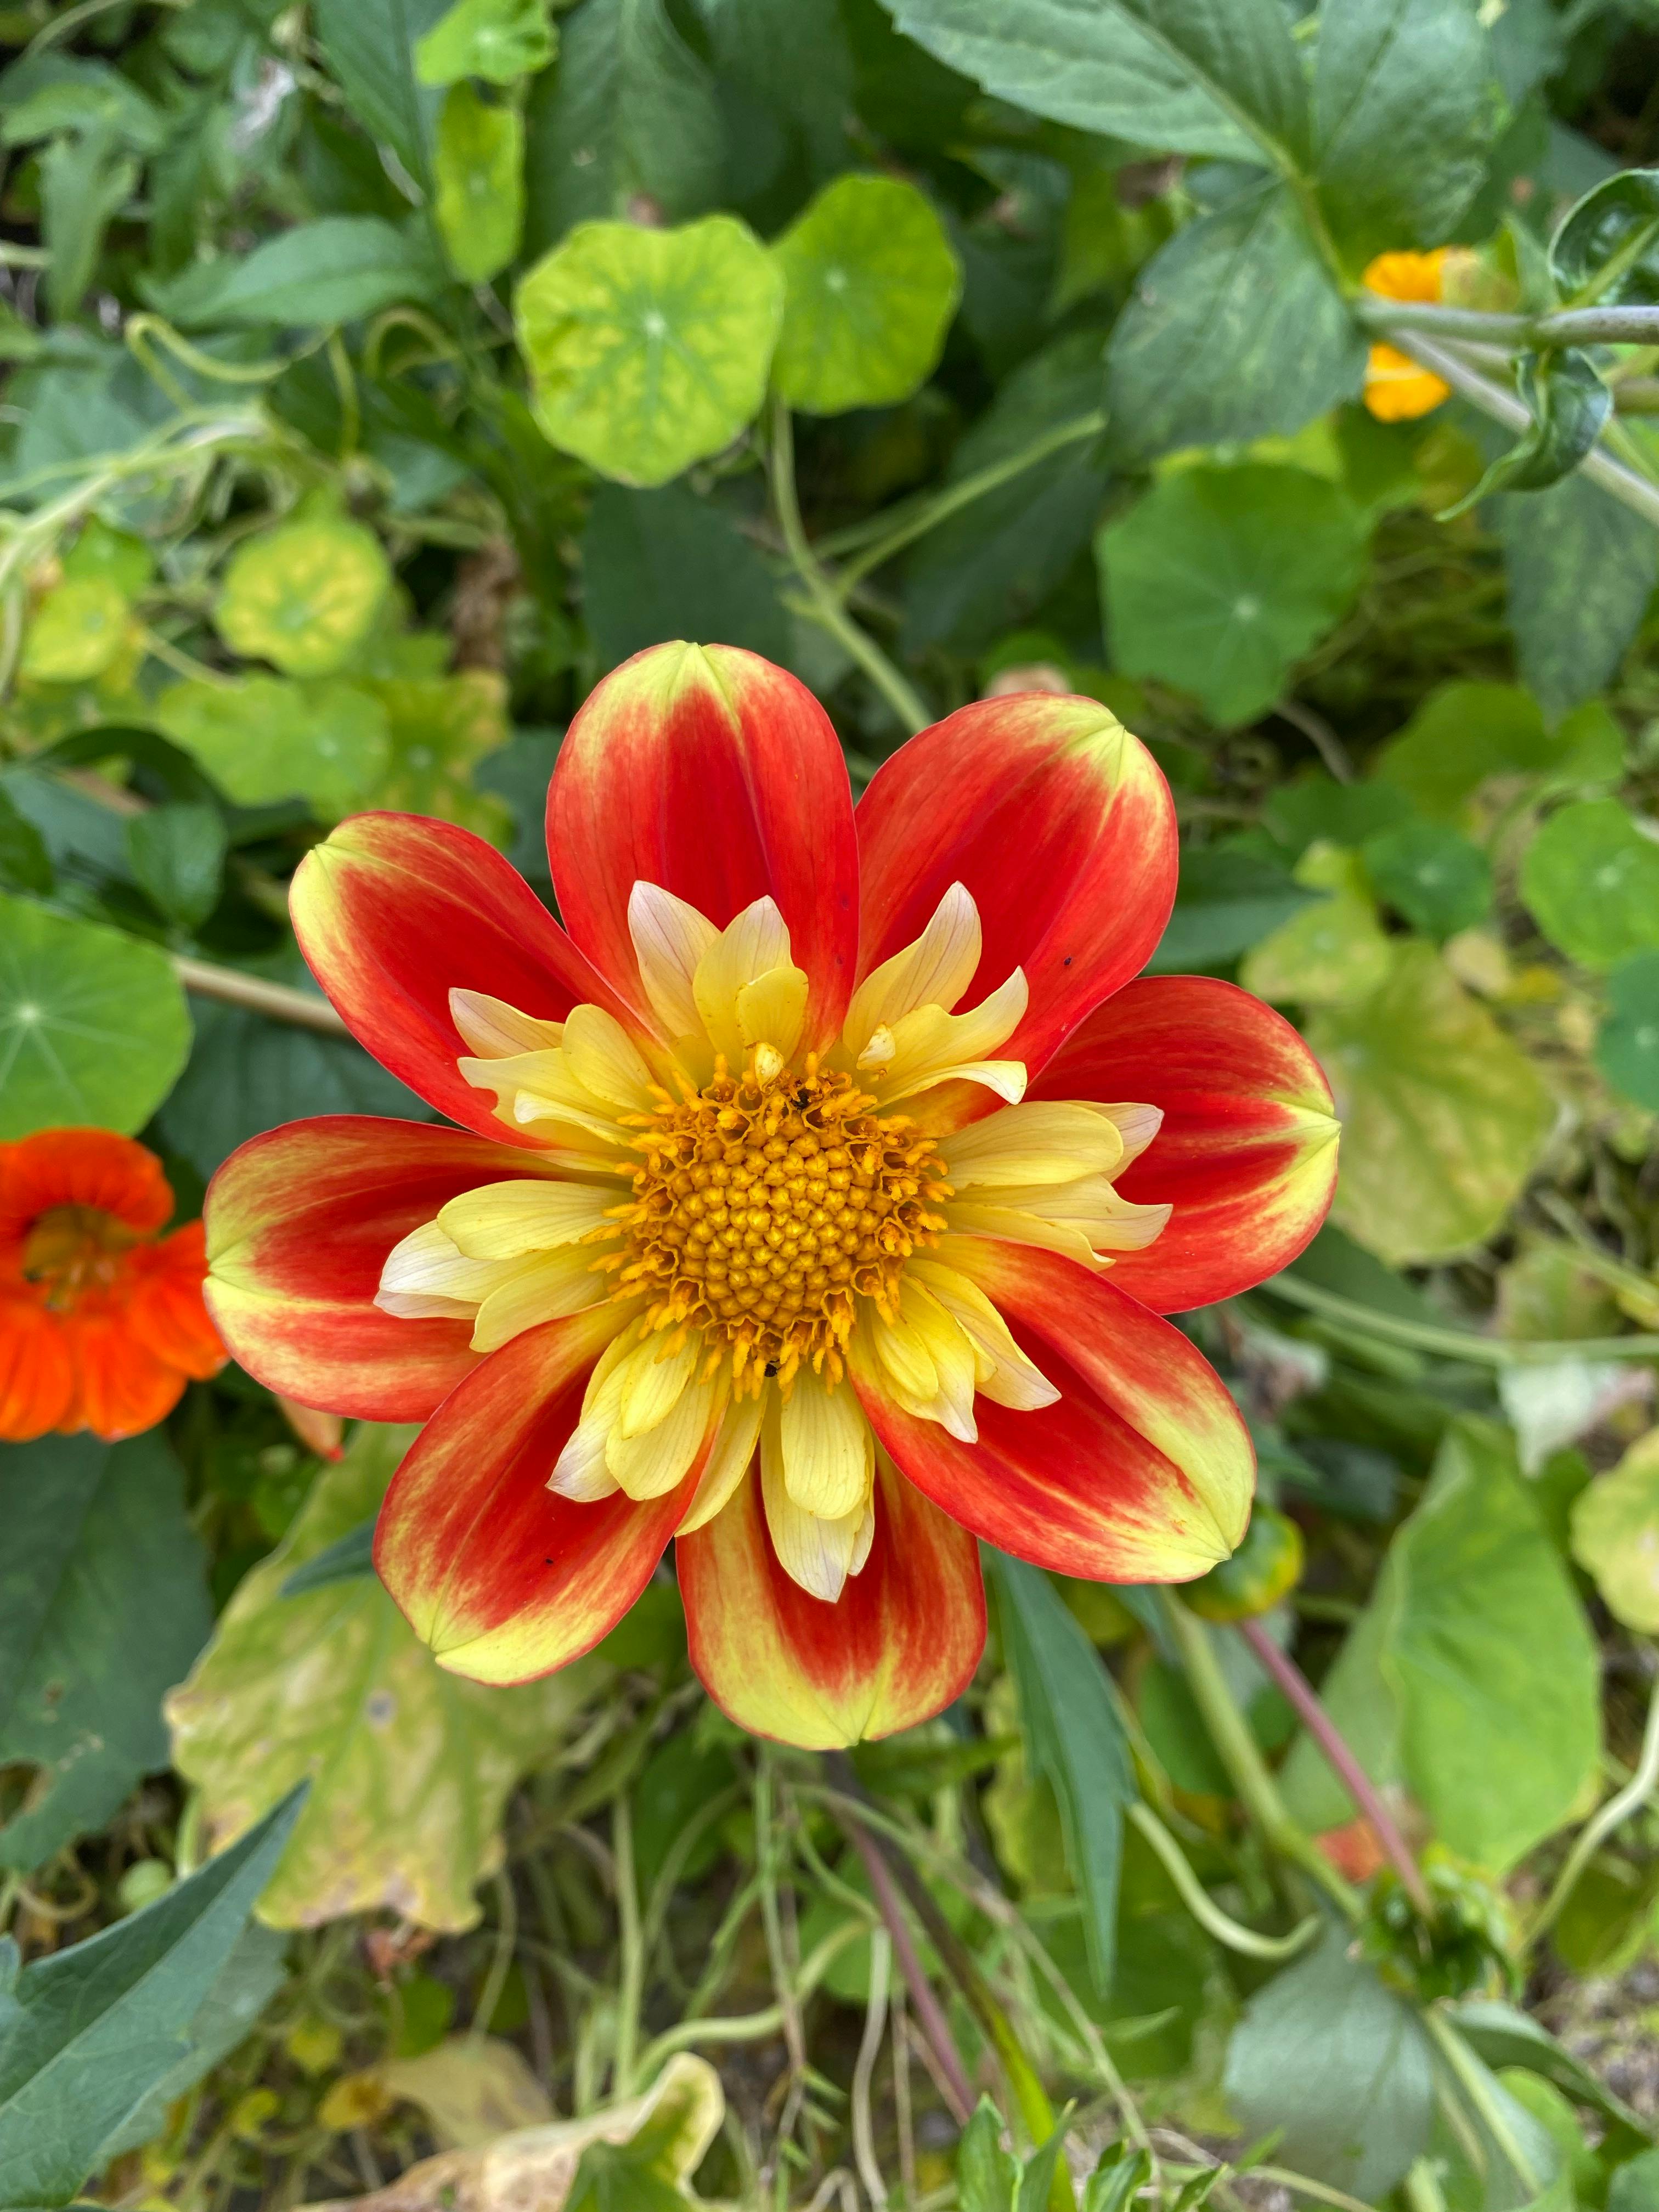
(102, 1319)
(1397, 389)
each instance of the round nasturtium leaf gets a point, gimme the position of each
(93, 1029)
(478, 163)
(648, 350)
(871, 283)
(1438, 879)
(1627, 1046)
(1590, 879)
(261, 739)
(303, 596)
(1330, 953)
(440, 726)
(77, 632)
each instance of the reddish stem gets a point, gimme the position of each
(1358, 1784)
(952, 2075)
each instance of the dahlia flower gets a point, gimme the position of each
(819, 1188)
(102, 1319)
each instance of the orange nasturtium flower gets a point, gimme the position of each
(822, 1183)
(102, 1319)
(1397, 388)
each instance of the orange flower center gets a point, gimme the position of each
(767, 1204)
(72, 1250)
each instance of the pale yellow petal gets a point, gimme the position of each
(932, 1047)
(545, 1286)
(757, 941)
(495, 1030)
(427, 1275)
(542, 1086)
(817, 1553)
(1008, 1226)
(580, 1471)
(1137, 1126)
(506, 1219)
(604, 1059)
(934, 972)
(670, 938)
(902, 1351)
(729, 1460)
(1044, 1141)
(1001, 1370)
(654, 1379)
(829, 1452)
(772, 1010)
(648, 1464)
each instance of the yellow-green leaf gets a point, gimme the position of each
(1329, 954)
(409, 1767)
(304, 596)
(262, 739)
(76, 633)
(478, 164)
(1615, 1535)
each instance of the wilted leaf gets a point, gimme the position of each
(1442, 1117)
(1615, 1535)
(410, 1766)
(471, 2088)
(304, 595)
(93, 1023)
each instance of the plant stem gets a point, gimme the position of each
(1368, 1801)
(280, 1000)
(906, 703)
(1249, 1942)
(630, 1978)
(1587, 325)
(1236, 1747)
(1634, 1794)
(930, 2014)
(1454, 1343)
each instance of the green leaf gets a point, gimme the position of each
(1114, 2187)
(246, 1074)
(440, 727)
(1338, 2067)
(1195, 76)
(500, 40)
(1590, 879)
(666, 564)
(1615, 222)
(1472, 1677)
(370, 47)
(1581, 569)
(1462, 734)
(84, 185)
(103, 1605)
(332, 270)
(1074, 1739)
(1235, 330)
(1405, 108)
(1037, 2180)
(25, 863)
(77, 631)
(92, 1024)
(479, 167)
(88, 2034)
(1615, 1535)
(1627, 1044)
(1505, 2037)
(1314, 807)
(411, 1766)
(648, 350)
(1219, 580)
(1439, 880)
(987, 2175)
(262, 739)
(345, 1560)
(177, 855)
(1229, 899)
(305, 595)
(1570, 406)
(1331, 953)
(871, 283)
(1634, 2186)
(1442, 1117)
(630, 111)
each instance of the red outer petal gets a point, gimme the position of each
(393, 912)
(299, 1224)
(503, 1579)
(38, 1388)
(1247, 1154)
(711, 773)
(903, 1641)
(1059, 823)
(121, 1388)
(1141, 1472)
(80, 1167)
(165, 1311)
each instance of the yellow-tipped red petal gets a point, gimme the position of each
(1246, 1155)
(1061, 826)
(299, 1224)
(712, 774)
(898, 1645)
(393, 912)
(1141, 1470)
(503, 1577)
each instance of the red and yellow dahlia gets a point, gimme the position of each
(102, 1319)
(820, 1185)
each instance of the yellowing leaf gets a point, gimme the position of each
(303, 596)
(472, 2090)
(1615, 1535)
(1442, 1117)
(1329, 954)
(77, 632)
(409, 1767)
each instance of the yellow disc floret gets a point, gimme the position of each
(767, 1203)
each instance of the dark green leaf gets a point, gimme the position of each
(177, 855)
(103, 1606)
(1617, 222)
(1581, 569)
(1405, 110)
(1236, 330)
(369, 45)
(1113, 2188)
(1075, 1738)
(1591, 879)
(1433, 875)
(25, 863)
(666, 564)
(1314, 807)
(87, 2034)
(1195, 76)
(332, 270)
(84, 184)
(1228, 902)
(987, 2174)
(1570, 406)
(343, 1561)
(1627, 1044)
